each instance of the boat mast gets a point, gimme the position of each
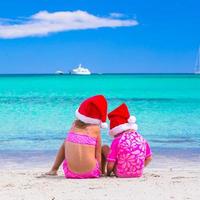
(198, 61)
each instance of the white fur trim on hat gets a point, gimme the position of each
(123, 127)
(135, 127)
(86, 119)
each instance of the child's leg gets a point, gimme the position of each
(58, 161)
(105, 151)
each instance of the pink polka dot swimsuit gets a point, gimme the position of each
(85, 140)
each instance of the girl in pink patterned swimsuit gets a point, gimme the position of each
(129, 152)
(81, 151)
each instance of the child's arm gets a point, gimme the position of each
(112, 157)
(110, 168)
(147, 160)
(98, 147)
(58, 161)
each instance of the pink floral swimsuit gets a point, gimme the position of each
(129, 151)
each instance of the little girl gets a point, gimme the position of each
(81, 150)
(129, 152)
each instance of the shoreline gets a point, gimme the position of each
(162, 159)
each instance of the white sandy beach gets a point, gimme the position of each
(155, 184)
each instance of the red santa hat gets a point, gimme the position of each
(93, 111)
(120, 120)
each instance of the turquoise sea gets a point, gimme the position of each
(37, 110)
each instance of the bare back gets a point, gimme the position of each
(82, 158)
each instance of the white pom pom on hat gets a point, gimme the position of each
(104, 125)
(132, 119)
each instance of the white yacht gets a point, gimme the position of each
(197, 66)
(80, 70)
(59, 72)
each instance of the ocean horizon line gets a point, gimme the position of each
(121, 73)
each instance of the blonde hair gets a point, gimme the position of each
(80, 124)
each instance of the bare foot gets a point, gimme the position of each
(52, 173)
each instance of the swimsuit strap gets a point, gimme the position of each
(81, 139)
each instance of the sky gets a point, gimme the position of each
(107, 36)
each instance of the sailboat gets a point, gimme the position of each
(197, 65)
